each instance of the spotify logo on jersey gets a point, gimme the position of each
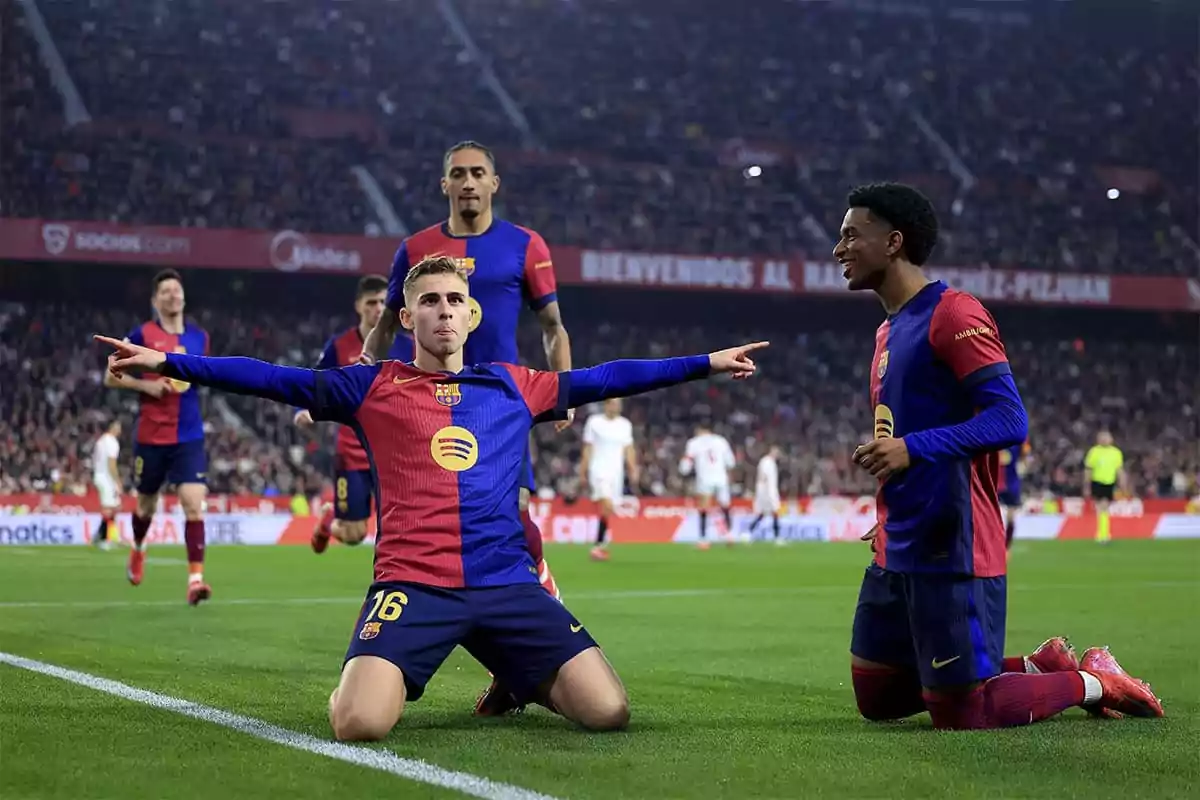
(454, 449)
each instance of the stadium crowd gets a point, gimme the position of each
(811, 398)
(254, 114)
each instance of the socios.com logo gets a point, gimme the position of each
(454, 448)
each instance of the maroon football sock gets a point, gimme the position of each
(887, 693)
(1005, 701)
(193, 536)
(141, 526)
(1013, 664)
(533, 537)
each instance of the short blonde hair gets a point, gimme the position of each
(431, 265)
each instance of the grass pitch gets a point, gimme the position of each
(735, 660)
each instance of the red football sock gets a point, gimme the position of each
(193, 536)
(1006, 700)
(1014, 664)
(141, 526)
(884, 694)
(533, 537)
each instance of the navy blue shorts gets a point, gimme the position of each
(949, 628)
(1010, 498)
(156, 464)
(520, 633)
(352, 494)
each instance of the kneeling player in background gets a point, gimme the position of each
(607, 452)
(930, 623)
(451, 563)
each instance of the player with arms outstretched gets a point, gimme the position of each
(451, 563)
(709, 457)
(169, 443)
(930, 622)
(608, 452)
(1012, 471)
(345, 519)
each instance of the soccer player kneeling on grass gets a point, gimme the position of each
(929, 627)
(451, 563)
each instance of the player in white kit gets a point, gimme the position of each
(608, 452)
(710, 457)
(766, 491)
(107, 479)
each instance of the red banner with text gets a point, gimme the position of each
(297, 252)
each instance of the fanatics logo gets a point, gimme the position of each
(447, 394)
(881, 370)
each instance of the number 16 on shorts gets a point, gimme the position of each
(386, 606)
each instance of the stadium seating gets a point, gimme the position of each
(811, 398)
(644, 119)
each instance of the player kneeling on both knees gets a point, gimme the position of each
(369, 700)
(450, 570)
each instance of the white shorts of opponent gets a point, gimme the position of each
(717, 488)
(608, 486)
(767, 504)
(110, 497)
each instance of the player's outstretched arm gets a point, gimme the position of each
(628, 377)
(329, 394)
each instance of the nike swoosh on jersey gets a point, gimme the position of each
(399, 381)
(939, 664)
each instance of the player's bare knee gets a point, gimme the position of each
(146, 503)
(349, 532)
(191, 497)
(359, 719)
(358, 724)
(607, 712)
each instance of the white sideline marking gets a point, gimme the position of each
(613, 595)
(382, 760)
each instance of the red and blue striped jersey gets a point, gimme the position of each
(944, 515)
(507, 267)
(174, 417)
(343, 350)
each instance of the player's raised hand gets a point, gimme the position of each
(735, 360)
(129, 356)
(563, 424)
(883, 458)
(303, 419)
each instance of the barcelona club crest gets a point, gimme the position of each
(881, 370)
(369, 630)
(447, 394)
